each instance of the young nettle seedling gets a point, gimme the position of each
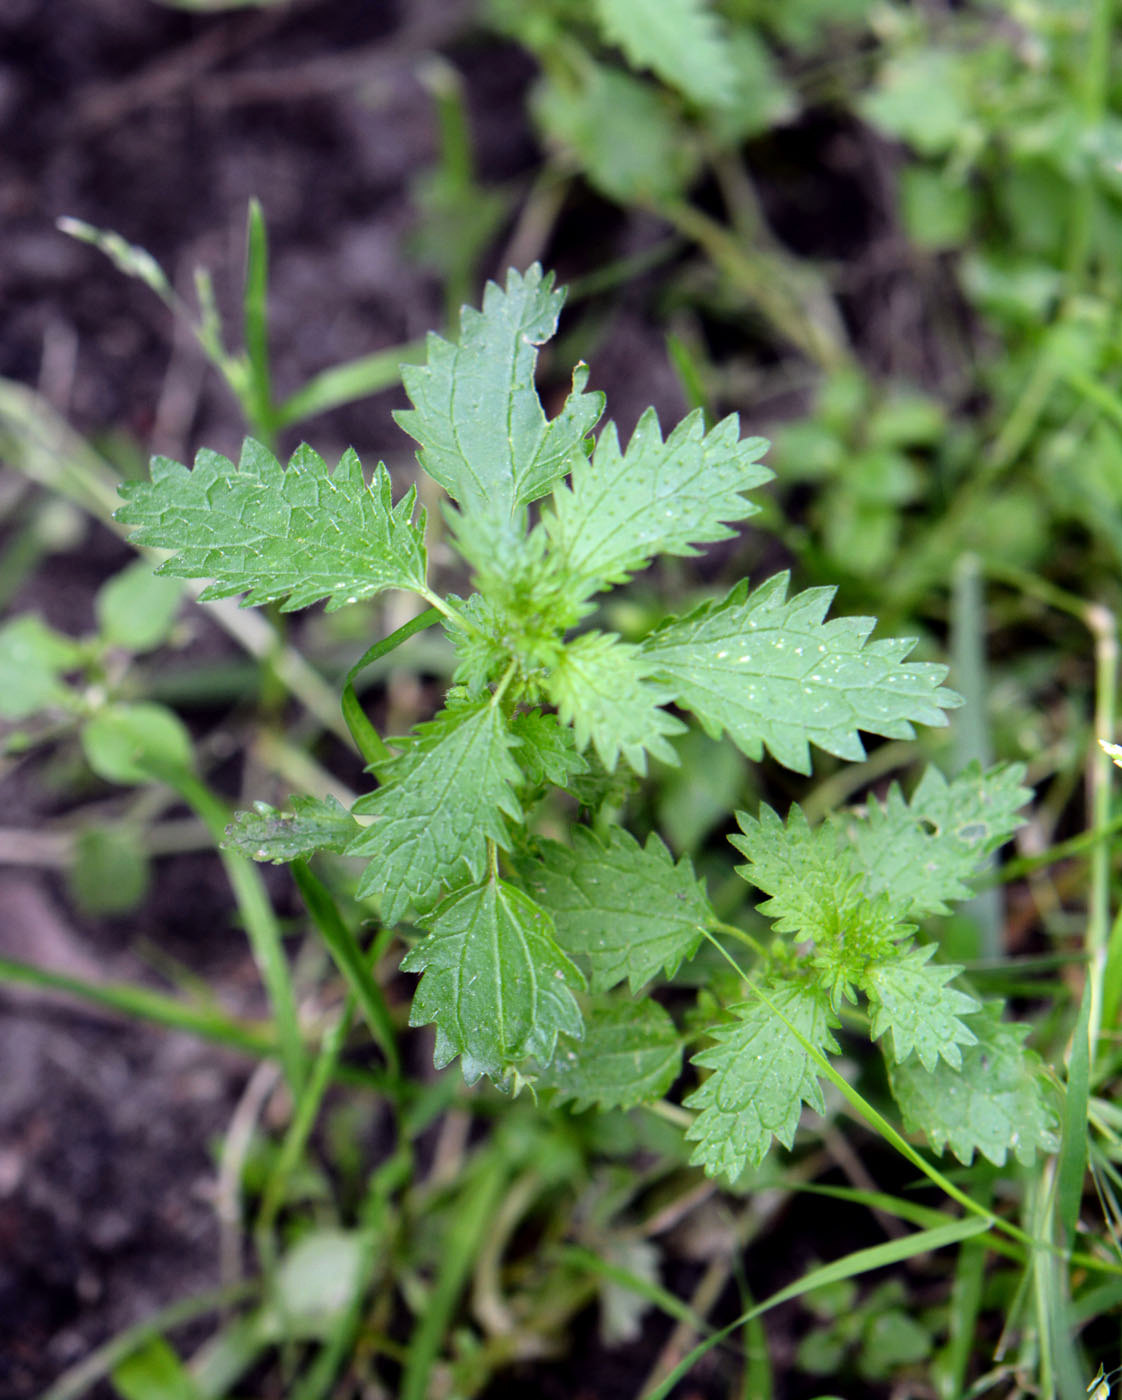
(530, 941)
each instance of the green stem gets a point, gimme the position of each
(300, 1128)
(366, 738)
(350, 960)
(470, 1222)
(81, 1378)
(1104, 950)
(971, 732)
(1094, 94)
(259, 919)
(147, 1005)
(719, 926)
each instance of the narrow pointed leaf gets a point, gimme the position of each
(600, 688)
(999, 1102)
(761, 1077)
(623, 508)
(628, 910)
(441, 801)
(495, 982)
(476, 414)
(291, 535)
(771, 671)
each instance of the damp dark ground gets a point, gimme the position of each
(161, 125)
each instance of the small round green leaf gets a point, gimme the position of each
(128, 744)
(110, 872)
(136, 608)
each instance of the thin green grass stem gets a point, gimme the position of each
(305, 1111)
(366, 738)
(257, 402)
(859, 1262)
(260, 922)
(1093, 98)
(141, 1003)
(350, 960)
(348, 382)
(971, 731)
(86, 1374)
(470, 1223)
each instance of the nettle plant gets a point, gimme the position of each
(541, 957)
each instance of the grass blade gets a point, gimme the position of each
(367, 739)
(356, 379)
(349, 959)
(259, 403)
(260, 921)
(859, 1262)
(1072, 1166)
(471, 1222)
(146, 1005)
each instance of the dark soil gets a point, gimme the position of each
(161, 125)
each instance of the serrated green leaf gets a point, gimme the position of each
(761, 1077)
(599, 686)
(476, 413)
(681, 40)
(769, 670)
(631, 1054)
(33, 660)
(495, 981)
(628, 909)
(924, 851)
(305, 826)
(482, 652)
(908, 995)
(547, 754)
(442, 800)
(999, 1102)
(650, 158)
(298, 534)
(818, 891)
(623, 508)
